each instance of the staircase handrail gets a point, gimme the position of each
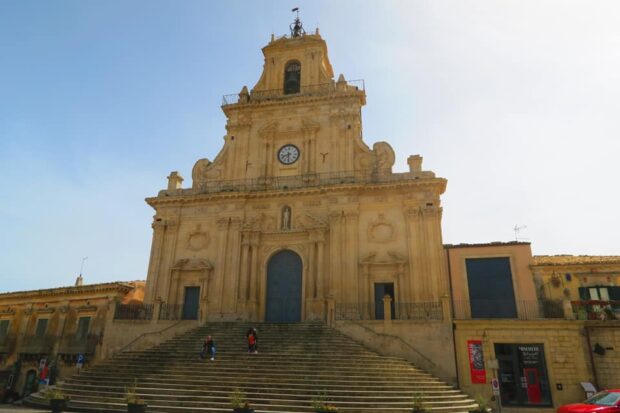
(432, 363)
(146, 334)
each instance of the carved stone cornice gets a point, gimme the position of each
(393, 258)
(186, 264)
(86, 309)
(190, 196)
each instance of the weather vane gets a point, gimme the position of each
(297, 29)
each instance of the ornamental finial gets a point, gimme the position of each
(297, 29)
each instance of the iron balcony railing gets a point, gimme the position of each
(354, 311)
(33, 344)
(133, 312)
(170, 311)
(596, 310)
(505, 309)
(427, 310)
(366, 176)
(79, 344)
(323, 89)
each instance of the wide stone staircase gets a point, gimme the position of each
(296, 363)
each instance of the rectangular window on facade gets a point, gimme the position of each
(82, 327)
(4, 329)
(41, 327)
(523, 376)
(491, 293)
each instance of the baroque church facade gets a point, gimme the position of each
(297, 212)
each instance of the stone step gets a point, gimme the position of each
(296, 363)
(98, 407)
(307, 388)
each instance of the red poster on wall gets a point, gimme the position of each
(476, 362)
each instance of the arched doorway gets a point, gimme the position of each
(284, 288)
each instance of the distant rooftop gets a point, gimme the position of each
(486, 244)
(74, 289)
(575, 259)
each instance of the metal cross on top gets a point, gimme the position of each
(297, 29)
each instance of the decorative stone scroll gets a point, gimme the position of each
(197, 239)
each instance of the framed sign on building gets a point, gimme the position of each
(477, 370)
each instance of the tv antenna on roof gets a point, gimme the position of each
(518, 229)
(297, 29)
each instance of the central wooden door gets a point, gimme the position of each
(190, 303)
(284, 288)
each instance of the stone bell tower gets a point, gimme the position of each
(297, 215)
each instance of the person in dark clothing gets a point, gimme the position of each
(208, 348)
(252, 337)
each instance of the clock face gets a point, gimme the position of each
(288, 154)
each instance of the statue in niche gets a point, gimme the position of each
(286, 218)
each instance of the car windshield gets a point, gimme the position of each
(604, 398)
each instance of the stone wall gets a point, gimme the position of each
(416, 341)
(122, 335)
(607, 335)
(565, 351)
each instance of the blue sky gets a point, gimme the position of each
(514, 102)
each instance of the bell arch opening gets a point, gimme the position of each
(292, 77)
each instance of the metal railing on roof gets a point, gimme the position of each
(321, 89)
(304, 181)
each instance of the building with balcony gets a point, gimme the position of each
(509, 325)
(49, 329)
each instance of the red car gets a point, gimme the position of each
(607, 401)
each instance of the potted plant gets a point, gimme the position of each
(239, 402)
(417, 404)
(321, 406)
(58, 400)
(483, 405)
(135, 404)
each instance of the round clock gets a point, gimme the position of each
(288, 154)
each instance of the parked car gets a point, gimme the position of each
(607, 401)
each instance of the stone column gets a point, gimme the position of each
(331, 311)
(438, 273)
(243, 273)
(335, 256)
(351, 266)
(204, 293)
(446, 309)
(387, 311)
(171, 234)
(254, 280)
(232, 257)
(415, 245)
(154, 261)
(221, 262)
(311, 277)
(320, 271)
(156, 310)
(253, 273)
